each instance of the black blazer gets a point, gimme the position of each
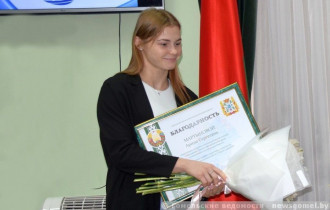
(122, 104)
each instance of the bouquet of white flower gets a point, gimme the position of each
(267, 169)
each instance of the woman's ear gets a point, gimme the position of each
(138, 43)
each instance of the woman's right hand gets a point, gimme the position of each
(207, 173)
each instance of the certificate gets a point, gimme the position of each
(210, 129)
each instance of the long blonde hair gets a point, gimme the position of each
(150, 24)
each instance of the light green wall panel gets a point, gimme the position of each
(51, 71)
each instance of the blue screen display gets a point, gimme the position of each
(47, 4)
(30, 6)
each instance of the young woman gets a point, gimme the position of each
(150, 86)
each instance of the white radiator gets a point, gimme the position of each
(72, 203)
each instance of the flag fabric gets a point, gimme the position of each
(247, 10)
(221, 56)
(221, 49)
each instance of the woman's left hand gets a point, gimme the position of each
(213, 190)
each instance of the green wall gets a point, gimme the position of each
(51, 71)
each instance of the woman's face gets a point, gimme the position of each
(163, 53)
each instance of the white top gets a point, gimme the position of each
(161, 101)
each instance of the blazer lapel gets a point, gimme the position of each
(141, 102)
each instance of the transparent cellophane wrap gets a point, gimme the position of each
(268, 169)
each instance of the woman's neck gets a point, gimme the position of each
(157, 80)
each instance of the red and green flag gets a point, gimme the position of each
(222, 60)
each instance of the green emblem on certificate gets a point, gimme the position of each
(156, 139)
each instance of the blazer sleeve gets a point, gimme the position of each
(119, 140)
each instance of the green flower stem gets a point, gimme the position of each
(161, 184)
